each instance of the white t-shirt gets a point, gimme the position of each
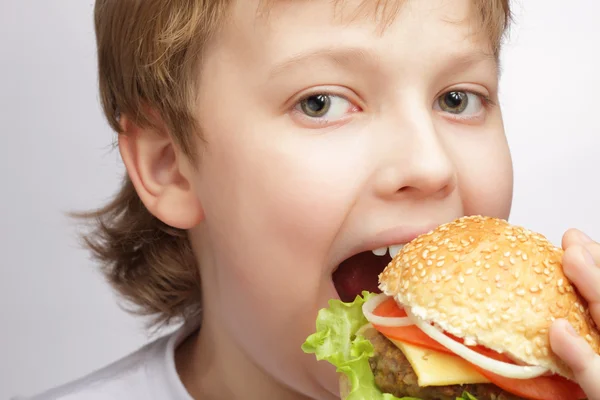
(148, 374)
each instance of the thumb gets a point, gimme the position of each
(578, 355)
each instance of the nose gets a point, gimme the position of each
(418, 162)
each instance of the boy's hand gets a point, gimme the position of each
(581, 264)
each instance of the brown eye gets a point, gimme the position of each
(454, 102)
(316, 106)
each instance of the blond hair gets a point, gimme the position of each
(149, 53)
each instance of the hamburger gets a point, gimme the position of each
(463, 312)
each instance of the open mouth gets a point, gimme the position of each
(361, 272)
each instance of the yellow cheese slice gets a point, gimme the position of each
(439, 369)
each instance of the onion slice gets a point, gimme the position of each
(489, 364)
(370, 306)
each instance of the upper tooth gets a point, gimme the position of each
(380, 252)
(395, 249)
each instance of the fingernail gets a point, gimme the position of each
(585, 238)
(589, 259)
(570, 330)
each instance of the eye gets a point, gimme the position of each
(460, 103)
(324, 106)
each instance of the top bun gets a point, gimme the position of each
(493, 283)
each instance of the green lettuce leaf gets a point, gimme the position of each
(336, 342)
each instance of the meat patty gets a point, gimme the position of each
(394, 375)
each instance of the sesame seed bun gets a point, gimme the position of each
(493, 283)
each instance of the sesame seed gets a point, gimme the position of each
(588, 337)
(560, 282)
(469, 271)
(488, 291)
(501, 263)
(534, 289)
(425, 254)
(521, 292)
(512, 261)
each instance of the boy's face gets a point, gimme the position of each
(328, 137)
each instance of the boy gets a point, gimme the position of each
(271, 146)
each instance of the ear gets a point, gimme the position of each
(159, 174)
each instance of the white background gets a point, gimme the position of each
(59, 320)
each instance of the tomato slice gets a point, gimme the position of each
(553, 387)
(408, 334)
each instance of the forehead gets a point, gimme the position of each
(400, 30)
(382, 13)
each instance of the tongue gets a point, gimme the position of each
(358, 273)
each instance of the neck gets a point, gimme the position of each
(212, 367)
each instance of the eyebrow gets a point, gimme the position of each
(459, 61)
(341, 57)
(353, 56)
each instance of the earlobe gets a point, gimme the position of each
(153, 165)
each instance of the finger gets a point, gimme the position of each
(573, 237)
(580, 268)
(594, 249)
(578, 355)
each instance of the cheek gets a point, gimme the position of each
(272, 213)
(486, 175)
(281, 199)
